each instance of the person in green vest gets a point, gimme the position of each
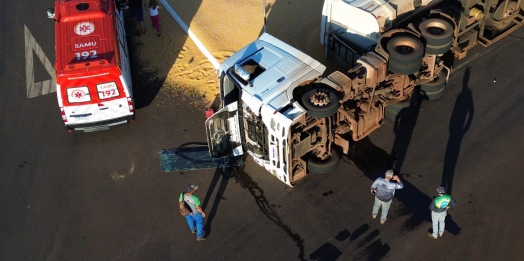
(439, 209)
(195, 219)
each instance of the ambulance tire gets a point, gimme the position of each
(437, 32)
(325, 111)
(405, 50)
(317, 166)
(402, 110)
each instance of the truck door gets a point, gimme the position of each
(223, 132)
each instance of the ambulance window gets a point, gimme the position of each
(78, 94)
(107, 90)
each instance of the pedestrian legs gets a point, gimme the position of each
(376, 207)
(199, 220)
(155, 20)
(191, 222)
(438, 223)
(385, 208)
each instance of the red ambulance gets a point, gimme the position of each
(93, 74)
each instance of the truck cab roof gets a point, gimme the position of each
(268, 67)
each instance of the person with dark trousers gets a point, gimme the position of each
(136, 8)
(439, 209)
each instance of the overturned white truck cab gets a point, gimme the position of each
(262, 113)
(278, 108)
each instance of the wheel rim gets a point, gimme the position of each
(404, 49)
(436, 28)
(320, 98)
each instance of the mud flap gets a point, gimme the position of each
(194, 158)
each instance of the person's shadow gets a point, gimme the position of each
(459, 124)
(218, 198)
(415, 202)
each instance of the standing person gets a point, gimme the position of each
(136, 8)
(384, 190)
(439, 209)
(155, 17)
(197, 215)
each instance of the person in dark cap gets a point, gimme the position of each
(439, 209)
(384, 191)
(195, 219)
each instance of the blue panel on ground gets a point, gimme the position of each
(193, 158)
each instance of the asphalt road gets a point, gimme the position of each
(102, 196)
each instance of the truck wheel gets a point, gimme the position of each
(321, 102)
(404, 69)
(405, 50)
(432, 95)
(324, 166)
(436, 85)
(441, 49)
(436, 31)
(404, 109)
(228, 172)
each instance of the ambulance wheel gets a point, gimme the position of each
(405, 50)
(437, 32)
(318, 166)
(402, 110)
(321, 102)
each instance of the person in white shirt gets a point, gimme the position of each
(153, 13)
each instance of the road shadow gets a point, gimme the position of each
(267, 209)
(459, 124)
(415, 202)
(218, 198)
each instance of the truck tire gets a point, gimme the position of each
(433, 95)
(404, 69)
(437, 84)
(327, 102)
(326, 166)
(440, 49)
(405, 50)
(228, 172)
(437, 32)
(402, 110)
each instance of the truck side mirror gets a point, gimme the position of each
(50, 13)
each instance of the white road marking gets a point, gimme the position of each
(35, 89)
(191, 35)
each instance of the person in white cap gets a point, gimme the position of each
(439, 209)
(195, 219)
(384, 191)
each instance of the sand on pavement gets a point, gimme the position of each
(224, 27)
